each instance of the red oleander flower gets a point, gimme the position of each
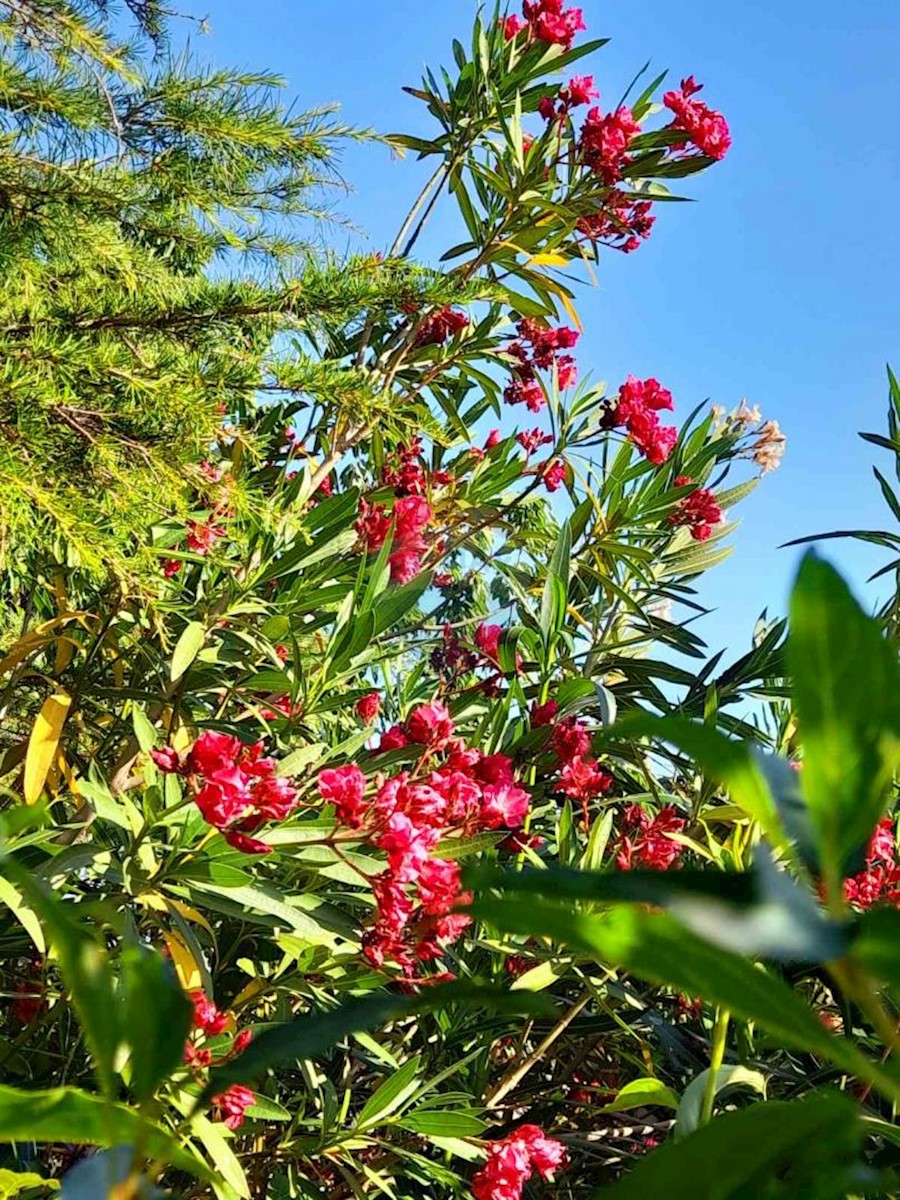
(231, 1105)
(605, 139)
(344, 787)
(702, 125)
(533, 440)
(512, 1161)
(543, 714)
(698, 510)
(487, 639)
(368, 707)
(553, 474)
(430, 725)
(202, 536)
(583, 779)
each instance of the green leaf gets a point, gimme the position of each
(444, 1123)
(264, 1108)
(656, 947)
(187, 648)
(70, 1115)
(555, 595)
(157, 1017)
(314, 1034)
(780, 1151)
(642, 1093)
(397, 602)
(391, 1094)
(143, 728)
(877, 945)
(687, 1119)
(846, 690)
(227, 1164)
(86, 971)
(537, 978)
(297, 760)
(12, 1183)
(763, 914)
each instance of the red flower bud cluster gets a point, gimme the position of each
(453, 788)
(553, 474)
(702, 125)
(645, 841)
(410, 516)
(622, 224)
(538, 348)
(533, 439)
(234, 785)
(512, 1161)
(439, 326)
(699, 510)
(406, 474)
(209, 1022)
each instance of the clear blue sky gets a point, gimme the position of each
(782, 284)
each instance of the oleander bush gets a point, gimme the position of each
(373, 819)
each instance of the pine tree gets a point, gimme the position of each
(152, 226)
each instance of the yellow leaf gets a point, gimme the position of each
(36, 639)
(253, 989)
(44, 743)
(548, 260)
(185, 964)
(68, 774)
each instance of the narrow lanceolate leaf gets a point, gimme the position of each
(85, 968)
(156, 1019)
(72, 1116)
(44, 743)
(847, 700)
(778, 1150)
(659, 949)
(186, 649)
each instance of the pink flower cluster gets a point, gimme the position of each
(636, 408)
(646, 841)
(702, 125)
(533, 439)
(579, 775)
(881, 878)
(409, 517)
(622, 224)
(234, 786)
(579, 90)
(553, 474)
(538, 348)
(209, 1022)
(439, 326)
(452, 788)
(699, 510)
(605, 139)
(406, 474)
(513, 1160)
(547, 21)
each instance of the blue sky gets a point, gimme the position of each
(779, 285)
